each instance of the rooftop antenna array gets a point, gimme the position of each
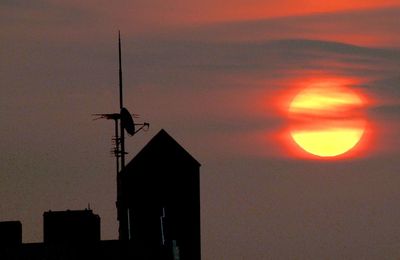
(123, 122)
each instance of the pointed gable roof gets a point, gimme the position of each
(162, 147)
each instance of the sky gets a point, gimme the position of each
(218, 77)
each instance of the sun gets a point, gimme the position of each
(326, 119)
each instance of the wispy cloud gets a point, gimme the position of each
(371, 27)
(172, 63)
(220, 72)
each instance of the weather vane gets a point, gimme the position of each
(123, 122)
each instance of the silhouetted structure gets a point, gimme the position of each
(158, 206)
(10, 233)
(69, 235)
(10, 239)
(162, 189)
(123, 122)
(71, 227)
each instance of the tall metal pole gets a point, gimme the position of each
(121, 200)
(121, 104)
(123, 210)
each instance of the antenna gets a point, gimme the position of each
(123, 122)
(127, 121)
(121, 103)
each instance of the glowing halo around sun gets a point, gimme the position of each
(326, 119)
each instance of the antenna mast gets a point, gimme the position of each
(122, 215)
(121, 104)
(123, 122)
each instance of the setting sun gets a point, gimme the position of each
(326, 119)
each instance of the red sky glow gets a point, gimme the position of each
(219, 76)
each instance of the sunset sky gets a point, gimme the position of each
(219, 77)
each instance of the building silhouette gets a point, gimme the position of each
(10, 233)
(161, 189)
(163, 192)
(71, 226)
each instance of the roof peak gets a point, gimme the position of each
(161, 144)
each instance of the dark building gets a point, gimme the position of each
(162, 189)
(10, 239)
(10, 233)
(69, 235)
(71, 227)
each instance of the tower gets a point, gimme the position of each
(162, 185)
